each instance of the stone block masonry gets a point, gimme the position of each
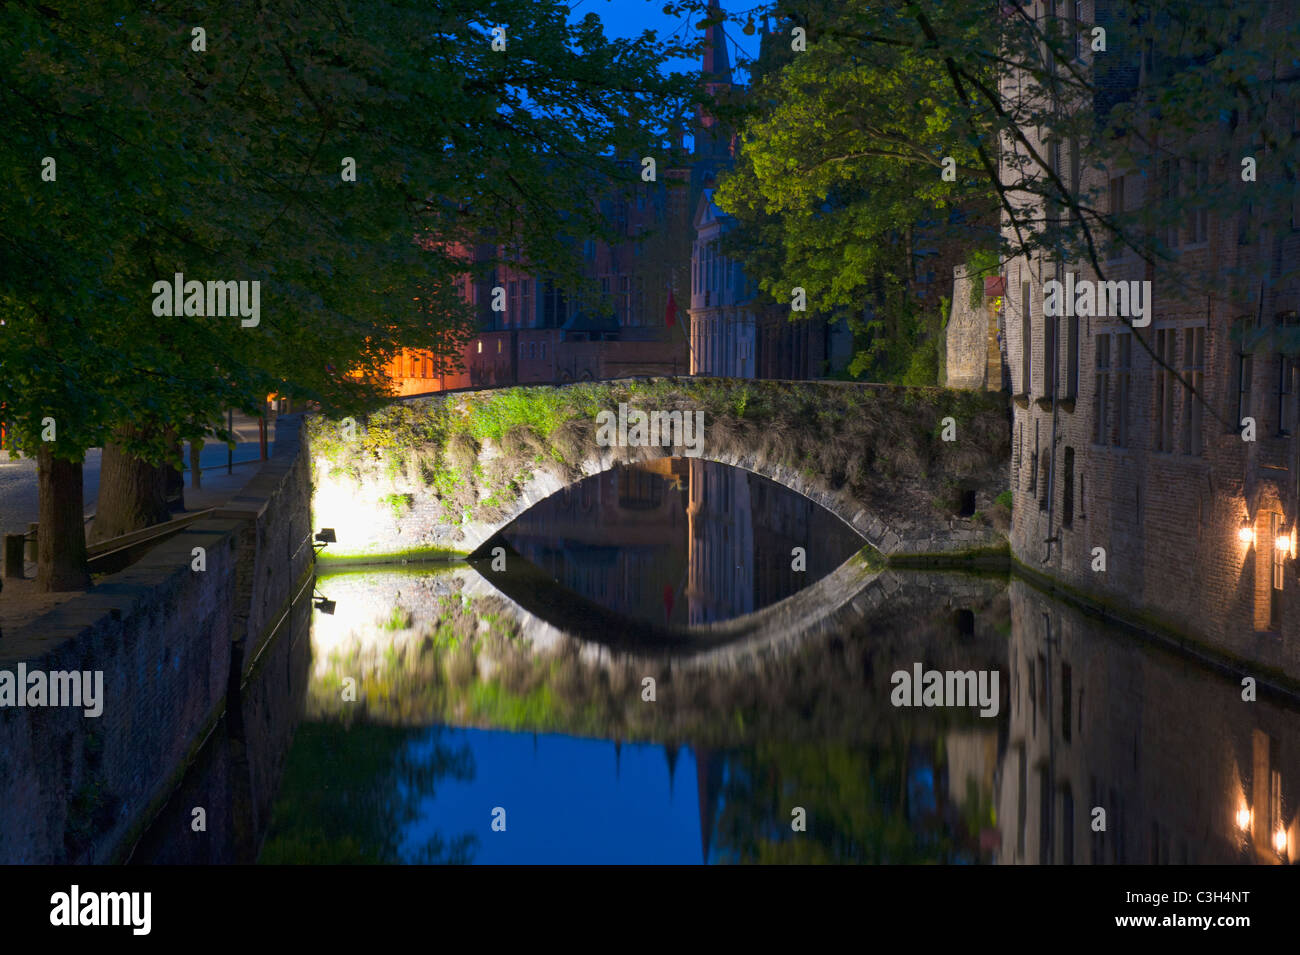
(438, 476)
(167, 638)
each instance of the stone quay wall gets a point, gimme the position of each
(167, 639)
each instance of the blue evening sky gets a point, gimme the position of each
(627, 18)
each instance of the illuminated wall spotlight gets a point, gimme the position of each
(1279, 841)
(1243, 818)
(1246, 533)
(324, 537)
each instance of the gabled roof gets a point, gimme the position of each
(706, 212)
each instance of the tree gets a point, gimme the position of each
(1155, 89)
(225, 161)
(857, 179)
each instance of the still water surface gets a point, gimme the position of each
(483, 730)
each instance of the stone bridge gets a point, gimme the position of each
(915, 471)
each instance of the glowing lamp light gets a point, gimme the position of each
(1283, 543)
(1243, 819)
(1246, 533)
(1279, 841)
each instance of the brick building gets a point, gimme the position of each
(1113, 457)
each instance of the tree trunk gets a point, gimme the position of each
(132, 494)
(196, 472)
(175, 481)
(61, 536)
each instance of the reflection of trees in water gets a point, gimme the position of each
(349, 792)
(857, 800)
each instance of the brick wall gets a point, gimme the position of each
(1163, 488)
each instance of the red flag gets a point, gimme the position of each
(670, 317)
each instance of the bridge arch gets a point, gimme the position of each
(875, 529)
(387, 502)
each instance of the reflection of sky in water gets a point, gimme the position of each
(567, 801)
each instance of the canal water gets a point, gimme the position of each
(685, 663)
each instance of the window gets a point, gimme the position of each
(1072, 357)
(1066, 704)
(1074, 180)
(1101, 389)
(1290, 171)
(1286, 323)
(1279, 559)
(1051, 359)
(1169, 193)
(1198, 214)
(480, 347)
(1123, 374)
(554, 307)
(1033, 463)
(1067, 504)
(526, 316)
(1164, 388)
(1245, 370)
(542, 350)
(1193, 374)
(515, 311)
(624, 300)
(1116, 209)
(1026, 341)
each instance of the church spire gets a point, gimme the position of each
(717, 62)
(712, 143)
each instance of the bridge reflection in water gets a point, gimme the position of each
(469, 699)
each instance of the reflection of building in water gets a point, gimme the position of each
(1185, 770)
(721, 541)
(614, 538)
(636, 538)
(744, 529)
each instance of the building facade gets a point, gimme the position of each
(1127, 484)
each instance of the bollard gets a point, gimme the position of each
(14, 555)
(32, 554)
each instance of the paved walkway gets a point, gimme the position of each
(19, 600)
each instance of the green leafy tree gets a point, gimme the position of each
(840, 185)
(1178, 94)
(227, 163)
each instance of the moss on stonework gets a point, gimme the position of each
(328, 558)
(996, 558)
(870, 559)
(474, 452)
